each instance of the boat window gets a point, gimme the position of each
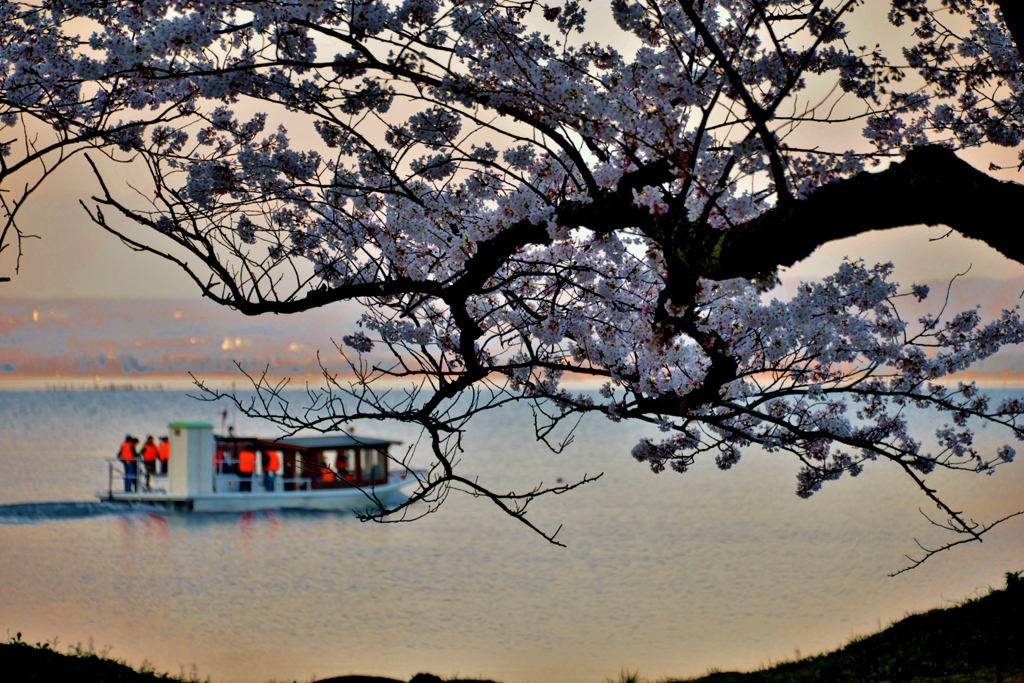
(344, 463)
(377, 469)
(220, 458)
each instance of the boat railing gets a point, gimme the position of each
(230, 482)
(140, 482)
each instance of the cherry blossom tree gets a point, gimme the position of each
(517, 199)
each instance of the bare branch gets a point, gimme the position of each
(976, 533)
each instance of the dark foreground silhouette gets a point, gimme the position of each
(980, 640)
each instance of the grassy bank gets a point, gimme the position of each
(22, 662)
(977, 641)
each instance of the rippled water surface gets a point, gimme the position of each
(668, 574)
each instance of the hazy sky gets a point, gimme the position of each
(76, 258)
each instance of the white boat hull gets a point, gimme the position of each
(321, 499)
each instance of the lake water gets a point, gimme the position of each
(669, 574)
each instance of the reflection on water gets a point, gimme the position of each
(669, 574)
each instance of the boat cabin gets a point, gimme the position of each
(302, 463)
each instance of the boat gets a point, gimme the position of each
(323, 472)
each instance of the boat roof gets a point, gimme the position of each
(340, 440)
(318, 442)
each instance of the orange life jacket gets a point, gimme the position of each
(272, 462)
(326, 474)
(149, 452)
(163, 451)
(246, 462)
(127, 451)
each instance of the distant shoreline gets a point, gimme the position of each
(238, 381)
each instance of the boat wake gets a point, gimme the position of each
(33, 513)
(36, 513)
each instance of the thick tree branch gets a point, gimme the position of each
(932, 187)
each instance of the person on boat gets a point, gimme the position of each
(343, 469)
(149, 455)
(246, 465)
(127, 457)
(271, 461)
(163, 452)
